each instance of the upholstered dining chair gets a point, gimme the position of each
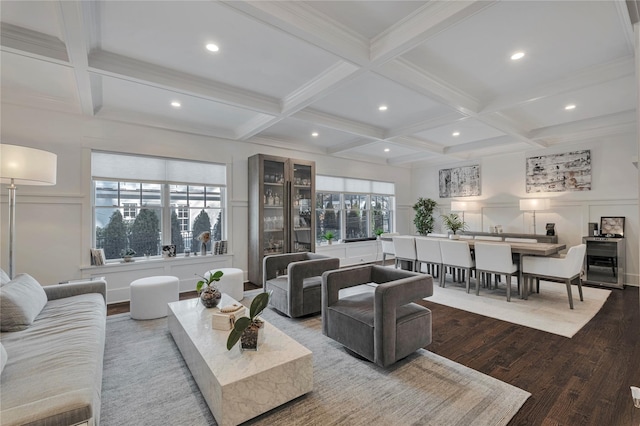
(428, 252)
(298, 292)
(456, 255)
(387, 245)
(405, 248)
(565, 269)
(494, 258)
(380, 324)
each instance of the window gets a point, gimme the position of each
(353, 208)
(144, 203)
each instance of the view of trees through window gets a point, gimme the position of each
(352, 216)
(130, 215)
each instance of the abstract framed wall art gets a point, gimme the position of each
(459, 181)
(570, 171)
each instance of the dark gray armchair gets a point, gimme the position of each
(382, 324)
(296, 281)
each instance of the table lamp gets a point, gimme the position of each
(533, 205)
(20, 165)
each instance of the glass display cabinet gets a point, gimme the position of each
(281, 206)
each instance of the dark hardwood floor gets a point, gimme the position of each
(582, 381)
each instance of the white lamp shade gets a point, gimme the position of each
(535, 204)
(464, 206)
(27, 166)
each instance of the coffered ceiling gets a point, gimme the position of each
(288, 70)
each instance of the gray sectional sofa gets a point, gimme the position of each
(52, 346)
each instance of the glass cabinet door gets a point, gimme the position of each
(301, 208)
(274, 200)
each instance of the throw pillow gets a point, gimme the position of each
(3, 357)
(21, 300)
(4, 278)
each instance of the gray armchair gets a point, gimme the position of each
(298, 291)
(381, 325)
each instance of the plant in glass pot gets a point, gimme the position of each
(209, 296)
(378, 232)
(127, 254)
(246, 330)
(453, 223)
(329, 236)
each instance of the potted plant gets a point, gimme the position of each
(127, 254)
(210, 296)
(453, 223)
(378, 232)
(329, 236)
(424, 215)
(247, 329)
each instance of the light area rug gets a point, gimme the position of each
(146, 382)
(547, 311)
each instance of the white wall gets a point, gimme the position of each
(54, 224)
(614, 192)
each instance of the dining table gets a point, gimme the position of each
(519, 249)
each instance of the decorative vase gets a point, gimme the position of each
(203, 249)
(454, 237)
(330, 242)
(252, 336)
(210, 297)
(128, 258)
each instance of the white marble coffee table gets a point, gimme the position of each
(239, 385)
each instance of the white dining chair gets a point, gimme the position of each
(405, 249)
(428, 252)
(494, 258)
(387, 245)
(487, 238)
(565, 269)
(456, 255)
(520, 240)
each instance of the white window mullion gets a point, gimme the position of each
(166, 215)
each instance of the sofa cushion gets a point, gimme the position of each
(3, 357)
(21, 300)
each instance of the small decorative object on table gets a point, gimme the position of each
(168, 251)
(378, 232)
(127, 254)
(210, 296)
(247, 330)
(204, 238)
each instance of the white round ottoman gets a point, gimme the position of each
(231, 283)
(150, 296)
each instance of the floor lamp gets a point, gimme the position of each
(20, 165)
(534, 204)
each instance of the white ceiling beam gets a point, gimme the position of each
(429, 20)
(339, 123)
(481, 144)
(113, 65)
(77, 33)
(35, 44)
(306, 23)
(411, 158)
(347, 146)
(416, 143)
(506, 125)
(609, 124)
(430, 123)
(256, 125)
(286, 144)
(586, 78)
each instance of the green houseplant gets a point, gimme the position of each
(329, 236)
(210, 296)
(453, 223)
(424, 215)
(246, 329)
(378, 232)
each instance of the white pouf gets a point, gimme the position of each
(231, 283)
(150, 296)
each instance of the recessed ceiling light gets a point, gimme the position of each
(212, 47)
(314, 134)
(570, 106)
(517, 55)
(455, 134)
(176, 104)
(387, 150)
(382, 108)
